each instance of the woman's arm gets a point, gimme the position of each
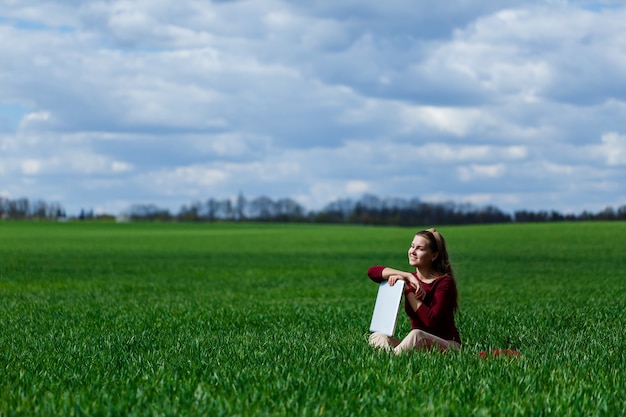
(441, 302)
(383, 273)
(414, 302)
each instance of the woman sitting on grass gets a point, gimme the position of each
(430, 297)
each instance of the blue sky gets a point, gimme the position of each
(517, 104)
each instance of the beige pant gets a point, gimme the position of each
(416, 339)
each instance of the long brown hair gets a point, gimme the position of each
(441, 264)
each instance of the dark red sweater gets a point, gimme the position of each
(436, 314)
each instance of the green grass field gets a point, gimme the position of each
(254, 320)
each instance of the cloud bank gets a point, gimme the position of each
(518, 104)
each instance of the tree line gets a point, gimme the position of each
(24, 209)
(368, 210)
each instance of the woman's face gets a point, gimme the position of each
(420, 254)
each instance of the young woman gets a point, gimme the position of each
(430, 297)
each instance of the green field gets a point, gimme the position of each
(253, 320)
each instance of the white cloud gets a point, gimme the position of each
(357, 187)
(614, 148)
(456, 121)
(475, 171)
(35, 120)
(119, 167)
(67, 163)
(30, 166)
(193, 177)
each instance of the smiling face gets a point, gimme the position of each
(421, 256)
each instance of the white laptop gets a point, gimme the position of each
(386, 308)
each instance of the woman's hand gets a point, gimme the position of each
(420, 293)
(394, 278)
